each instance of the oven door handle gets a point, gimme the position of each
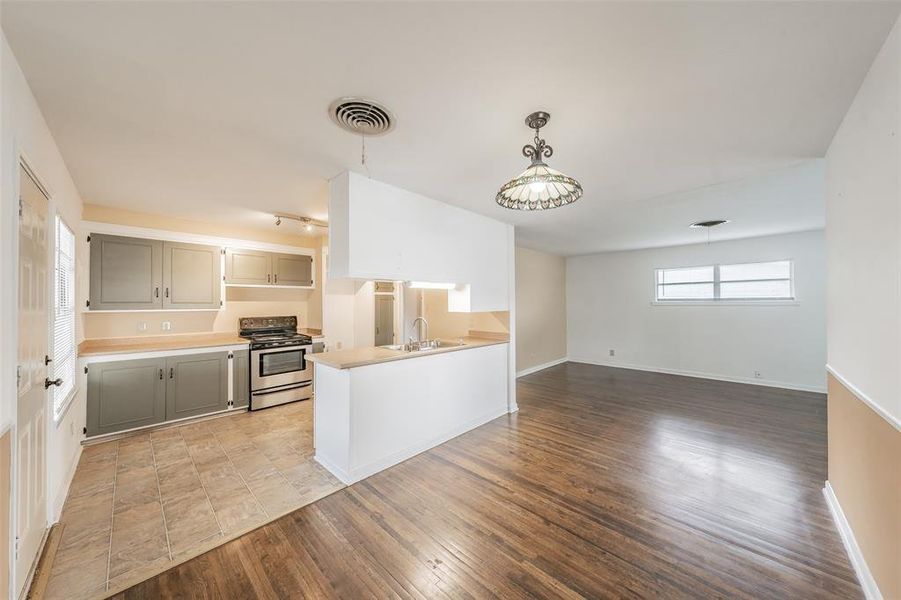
(282, 388)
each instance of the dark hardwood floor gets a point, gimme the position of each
(607, 483)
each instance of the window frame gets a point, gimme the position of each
(59, 409)
(716, 299)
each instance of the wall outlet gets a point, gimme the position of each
(337, 345)
(757, 375)
(143, 326)
(612, 352)
(167, 325)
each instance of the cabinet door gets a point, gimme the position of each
(196, 384)
(192, 276)
(126, 273)
(125, 394)
(248, 267)
(292, 269)
(241, 383)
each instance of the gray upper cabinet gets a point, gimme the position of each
(196, 384)
(125, 394)
(241, 383)
(292, 269)
(258, 267)
(126, 273)
(192, 276)
(248, 267)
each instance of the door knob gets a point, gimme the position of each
(48, 382)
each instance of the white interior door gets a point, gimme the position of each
(31, 506)
(384, 319)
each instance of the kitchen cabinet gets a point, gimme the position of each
(196, 384)
(248, 267)
(130, 393)
(192, 276)
(261, 268)
(240, 379)
(139, 274)
(292, 269)
(126, 273)
(125, 394)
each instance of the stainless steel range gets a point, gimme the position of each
(279, 370)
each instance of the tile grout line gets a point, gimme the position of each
(240, 475)
(200, 480)
(112, 517)
(159, 491)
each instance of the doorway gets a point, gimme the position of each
(31, 489)
(384, 319)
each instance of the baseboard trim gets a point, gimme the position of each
(870, 589)
(701, 375)
(894, 422)
(541, 367)
(362, 472)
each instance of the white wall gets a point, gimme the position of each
(609, 306)
(540, 309)
(863, 236)
(24, 131)
(378, 231)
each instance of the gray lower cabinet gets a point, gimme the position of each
(292, 269)
(125, 394)
(241, 381)
(126, 273)
(192, 276)
(248, 267)
(196, 384)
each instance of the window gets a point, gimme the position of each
(746, 281)
(63, 364)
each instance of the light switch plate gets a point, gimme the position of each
(143, 326)
(167, 325)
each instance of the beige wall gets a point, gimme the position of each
(540, 308)
(239, 302)
(450, 325)
(864, 455)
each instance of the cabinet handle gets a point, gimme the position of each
(276, 278)
(161, 373)
(156, 292)
(171, 373)
(167, 292)
(268, 278)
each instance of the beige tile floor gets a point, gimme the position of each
(141, 504)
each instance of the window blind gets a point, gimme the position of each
(772, 280)
(63, 345)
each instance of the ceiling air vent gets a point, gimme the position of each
(708, 224)
(361, 116)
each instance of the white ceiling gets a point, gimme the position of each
(217, 111)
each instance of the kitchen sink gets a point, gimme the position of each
(423, 346)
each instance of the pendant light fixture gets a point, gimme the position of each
(539, 187)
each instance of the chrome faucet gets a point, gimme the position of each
(426, 323)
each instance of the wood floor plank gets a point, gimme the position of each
(606, 483)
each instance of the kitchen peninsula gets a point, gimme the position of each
(376, 407)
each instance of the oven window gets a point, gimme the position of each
(276, 363)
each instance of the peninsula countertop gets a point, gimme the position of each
(359, 357)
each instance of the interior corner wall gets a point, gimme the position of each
(863, 249)
(610, 307)
(25, 132)
(540, 309)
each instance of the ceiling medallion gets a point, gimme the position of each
(539, 187)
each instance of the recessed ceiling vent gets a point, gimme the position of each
(708, 224)
(361, 116)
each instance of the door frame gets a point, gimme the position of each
(12, 351)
